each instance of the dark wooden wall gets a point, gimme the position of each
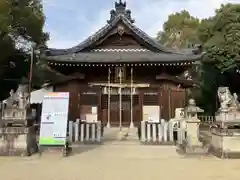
(72, 88)
(83, 97)
(172, 98)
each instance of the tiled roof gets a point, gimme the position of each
(103, 31)
(159, 52)
(119, 50)
(120, 57)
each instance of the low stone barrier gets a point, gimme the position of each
(161, 133)
(86, 132)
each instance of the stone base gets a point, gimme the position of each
(225, 155)
(15, 152)
(228, 116)
(17, 142)
(194, 150)
(168, 143)
(225, 145)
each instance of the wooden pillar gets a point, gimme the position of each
(160, 102)
(78, 105)
(169, 102)
(141, 104)
(185, 97)
(100, 118)
(131, 123)
(75, 101)
(79, 101)
(109, 98)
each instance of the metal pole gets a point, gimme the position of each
(30, 74)
(109, 96)
(120, 99)
(131, 124)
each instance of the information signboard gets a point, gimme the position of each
(54, 119)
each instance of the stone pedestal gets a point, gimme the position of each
(225, 135)
(192, 145)
(17, 141)
(192, 133)
(226, 143)
(228, 116)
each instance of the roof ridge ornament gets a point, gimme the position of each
(120, 9)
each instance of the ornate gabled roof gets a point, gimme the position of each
(103, 31)
(123, 15)
(120, 8)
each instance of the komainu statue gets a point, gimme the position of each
(226, 99)
(10, 100)
(18, 99)
(22, 95)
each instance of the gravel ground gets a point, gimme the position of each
(116, 161)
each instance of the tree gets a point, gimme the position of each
(21, 24)
(221, 37)
(179, 31)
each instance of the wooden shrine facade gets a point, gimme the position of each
(121, 75)
(108, 95)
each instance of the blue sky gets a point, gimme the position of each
(71, 21)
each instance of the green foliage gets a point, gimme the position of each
(179, 31)
(221, 37)
(21, 23)
(210, 79)
(13, 73)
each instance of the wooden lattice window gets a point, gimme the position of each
(150, 100)
(105, 102)
(88, 99)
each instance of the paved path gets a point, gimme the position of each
(119, 161)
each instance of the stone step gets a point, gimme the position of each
(116, 134)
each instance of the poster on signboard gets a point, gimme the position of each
(54, 119)
(151, 113)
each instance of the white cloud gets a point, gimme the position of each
(149, 15)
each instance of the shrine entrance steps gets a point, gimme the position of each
(96, 133)
(116, 136)
(159, 133)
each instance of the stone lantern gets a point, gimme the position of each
(192, 126)
(191, 111)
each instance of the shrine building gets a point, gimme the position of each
(120, 75)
